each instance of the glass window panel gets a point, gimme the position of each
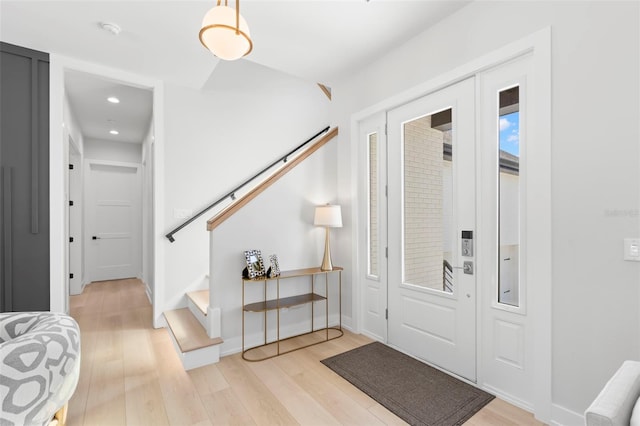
(509, 198)
(373, 205)
(429, 238)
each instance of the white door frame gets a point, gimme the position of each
(58, 65)
(76, 191)
(539, 45)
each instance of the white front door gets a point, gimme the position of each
(431, 195)
(113, 221)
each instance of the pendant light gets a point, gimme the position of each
(225, 32)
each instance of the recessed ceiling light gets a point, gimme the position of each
(114, 132)
(113, 100)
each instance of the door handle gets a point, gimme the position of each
(95, 238)
(467, 267)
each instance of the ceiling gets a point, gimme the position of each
(97, 116)
(318, 41)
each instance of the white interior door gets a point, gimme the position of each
(114, 220)
(431, 167)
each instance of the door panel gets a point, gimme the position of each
(430, 319)
(373, 181)
(113, 221)
(507, 337)
(431, 199)
(24, 180)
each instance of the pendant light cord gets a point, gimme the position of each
(237, 17)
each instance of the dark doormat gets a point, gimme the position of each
(415, 392)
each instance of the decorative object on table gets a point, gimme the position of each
(274, 269)
(329, 216)
(255, 265)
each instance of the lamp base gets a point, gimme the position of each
(326, 260)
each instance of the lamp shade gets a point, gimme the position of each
(329, 216)
(220, 35)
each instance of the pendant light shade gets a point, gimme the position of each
(226, 33)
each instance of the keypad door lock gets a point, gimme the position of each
(467, 243)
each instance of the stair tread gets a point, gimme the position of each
(200, 298)
(188, 332)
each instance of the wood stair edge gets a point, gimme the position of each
(188, 332)
(230, 210)
(200, 299)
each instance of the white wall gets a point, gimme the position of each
(595, 173)
(279, 221)
(215, 140)
(97, 149)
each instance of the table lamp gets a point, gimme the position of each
(328, 216)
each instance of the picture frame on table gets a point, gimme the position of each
(274, 268)
(255, 264)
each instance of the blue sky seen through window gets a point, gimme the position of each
(510, 133)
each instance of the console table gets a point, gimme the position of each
(324, 334)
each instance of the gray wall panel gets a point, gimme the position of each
(24, 157)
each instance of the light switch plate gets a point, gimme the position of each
(632, 249)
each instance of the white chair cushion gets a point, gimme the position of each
(615, 403)
(635, 414)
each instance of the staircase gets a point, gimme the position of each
(195, 330)
(187, 328)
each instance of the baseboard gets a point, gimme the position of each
(373, 336)
(160, 322)
(149, 293)
(507, 397)
(561, 416)
(347, 323)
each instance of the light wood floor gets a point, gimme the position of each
(131, 375)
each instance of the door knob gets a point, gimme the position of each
(95, 238)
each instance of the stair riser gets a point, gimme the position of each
(202, 319)
(198, 357)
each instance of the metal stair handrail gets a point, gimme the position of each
(232, 194)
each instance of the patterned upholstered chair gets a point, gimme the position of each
(39, 367)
